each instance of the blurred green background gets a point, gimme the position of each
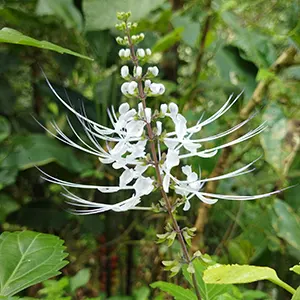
(205, 50)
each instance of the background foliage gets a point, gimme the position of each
(206, 50)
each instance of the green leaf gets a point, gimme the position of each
(101, 14)
(168, 40)
(296, 296)
(27, 258)
(237, 274)
(295, 269)
(38, 150)
(12, 36)
(7, 206)
(240, 274)
(80, 279)
(174, 290)
(4, 128)
(286, 223)
(64, 9)
(207, 291)
(142, 293)
(272, 139)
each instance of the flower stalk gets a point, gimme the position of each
(154, 157)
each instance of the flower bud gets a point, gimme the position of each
(157, 88)
(122, 53)
(159, 128)
(147, 83)
(132, 87)
(153, 70)
(148, 52)
(119, 40)
(125, 72)
(140, 52)
(124, 88)
(127, 53)
(138, 71)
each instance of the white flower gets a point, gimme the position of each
(140, 52)
(122, 53)
(157, 88)
(132, 87)
(127, 53)
(124, 71)
(153, 70)
(138, 71)
(126, 149)
(148, 52)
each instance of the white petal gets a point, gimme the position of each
(124, 108)
(124, 71)
(143, 186)
(135, 128)
(127, 53)
(172, 159)
(126, 177)
(108, 189)
(124, 88)
(159, 128)
(132, 87)
(140, 52)
(166, 183)
(187, 205)
(148, 114)
(163, 108)
(187, 170)
(148, 51)
(173, 108)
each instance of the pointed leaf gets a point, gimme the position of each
(178, 292)
(296, 296)
(296, 269)
(27, 258)
(12, 36)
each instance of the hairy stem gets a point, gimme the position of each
(151, 135)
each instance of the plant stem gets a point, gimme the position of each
(151, 135)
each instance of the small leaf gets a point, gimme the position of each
(11, 36)
(4, 128)
(168, 40)
(80, 279)
(27, 258)
(296, 269)
(176, 291)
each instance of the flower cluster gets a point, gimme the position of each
(134, 131)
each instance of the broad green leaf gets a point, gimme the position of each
(207, 291)
(80, 279)
(27, 258)
(286, 223)
(101, 14)
(64, 9)
(296, 296)
(236, 274)
(296, 269)
(240, 274)
(142, 293)
(174, 290)
(190, 28)
(272, 139)
(38, 150)
(168, 40)
(7, 206)
(4, 128)
(234, 69)
(256, 47)
(12, 36)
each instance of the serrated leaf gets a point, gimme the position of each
(12, 36)
(101, 14)
(27, 258)
(176, 291)
(295, 269)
